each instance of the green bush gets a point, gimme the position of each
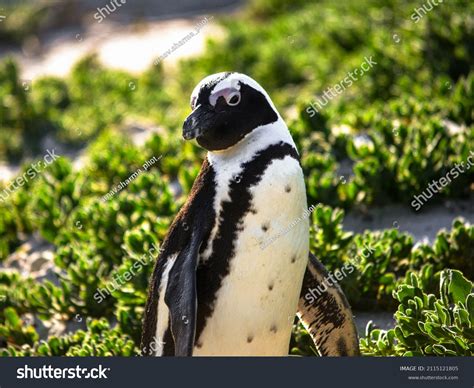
(381, 259)
(98, 341)
(428, 325)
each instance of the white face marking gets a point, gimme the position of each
(236, 79)
(232, 96)
(230, 84)
(204, 81)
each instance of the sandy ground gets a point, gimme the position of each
(132, 48)
(130, 37)
(8, 171)
(126, 46)
(422, 225)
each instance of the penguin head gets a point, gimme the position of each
(226, 108)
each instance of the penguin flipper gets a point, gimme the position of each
(181, 298)
(183, 241)
(193, 224)
(327, 317)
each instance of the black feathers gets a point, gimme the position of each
(196, 218)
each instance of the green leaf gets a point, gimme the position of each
(470, 308)
(442, 312)
(459, 287)
(12, 318)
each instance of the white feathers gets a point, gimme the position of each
(257, 302)
(228, 163)
(163, 311)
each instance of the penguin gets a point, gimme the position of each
(235, 268)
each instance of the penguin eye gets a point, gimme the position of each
(230, 95)
(233, 99)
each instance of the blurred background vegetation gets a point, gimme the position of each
(407, 122)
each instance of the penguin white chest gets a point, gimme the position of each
(256, 304)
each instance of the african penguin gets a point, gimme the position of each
(227, 280)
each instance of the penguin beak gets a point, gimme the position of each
(196, 123)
